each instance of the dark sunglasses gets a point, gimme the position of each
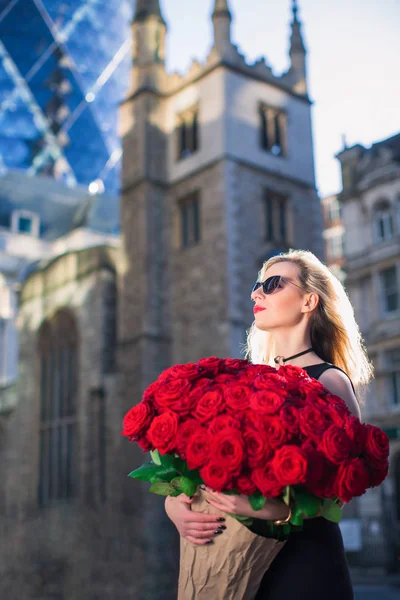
(271, 284)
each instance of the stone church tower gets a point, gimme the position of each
(218, 175)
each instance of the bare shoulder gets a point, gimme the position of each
(339, 384)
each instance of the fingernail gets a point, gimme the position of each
(222, 527)
(217, 531)
(209, 542)
(202, 487)
(220, 519)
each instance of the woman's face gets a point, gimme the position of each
(286, 306)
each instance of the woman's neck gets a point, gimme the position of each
(287, 346)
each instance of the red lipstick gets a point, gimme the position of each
(257, 309)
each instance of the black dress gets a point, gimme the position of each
(312, 565)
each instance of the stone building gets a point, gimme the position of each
(334, 235)
(370, 202)
(218, 175)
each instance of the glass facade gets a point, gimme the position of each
(64, 68)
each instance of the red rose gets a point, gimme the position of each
(143, 443)
(258, 453)
(290, 465)
(209, 405)
(275, 431)
(377, 475)
(211, 366)
(357, 433)
(215, 476)
(223, 378)
(266, 402)
(174, 395)
(253, 421)
(289, 416)
(162, 432)
(185, 431)
(188, 371)
(352, 479)
(293, 374)
(270, 381)
(151, 392)
(222, 422)
(267, 482)
(234, 365)
(313, 421)
(198, 449)
(376, 446)
(254, 370)
(237, 397)
(319, 472)
(335, 444)
(244, 485)
(227, 449)
(137, 420)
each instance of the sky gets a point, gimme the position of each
(353, 62)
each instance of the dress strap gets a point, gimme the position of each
(319, 369)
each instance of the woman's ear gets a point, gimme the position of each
(310, 302)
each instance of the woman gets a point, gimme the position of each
(303, 317)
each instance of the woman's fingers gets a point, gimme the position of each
(201, 535)
(200, 527)
(196, 541)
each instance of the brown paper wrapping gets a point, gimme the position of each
(229, 569)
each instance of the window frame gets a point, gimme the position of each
(58, 418)
(189, 213)
(383, 294)
(272, 129)
(187, 133)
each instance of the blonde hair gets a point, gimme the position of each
(334, 333)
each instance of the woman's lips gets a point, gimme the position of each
(257, 309)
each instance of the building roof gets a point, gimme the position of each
(60, 208)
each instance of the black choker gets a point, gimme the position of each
(280, 358)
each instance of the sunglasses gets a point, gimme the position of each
(271, 284)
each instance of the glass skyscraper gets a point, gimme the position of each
(64, 68)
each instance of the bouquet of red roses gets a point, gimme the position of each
(252, 429)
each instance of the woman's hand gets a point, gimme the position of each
(195, 527)
(240, 505)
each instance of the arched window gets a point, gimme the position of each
(58, 359)
(383, 221)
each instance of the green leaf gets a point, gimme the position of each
(155, 455)
(257, 501)
(307, 503)
(166, 474)
(286, 495)
(167, 460)
(331, 511)
(162, 489)
(297, 519)
(146, 472)
(176, 493)
(188, 486)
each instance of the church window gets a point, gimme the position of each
(187, 133)
(189, 209)
(96, 477)
(276, 213)
(26, 222)
(273, 124)
(383, 222)
(58, 360)
(389, 290)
